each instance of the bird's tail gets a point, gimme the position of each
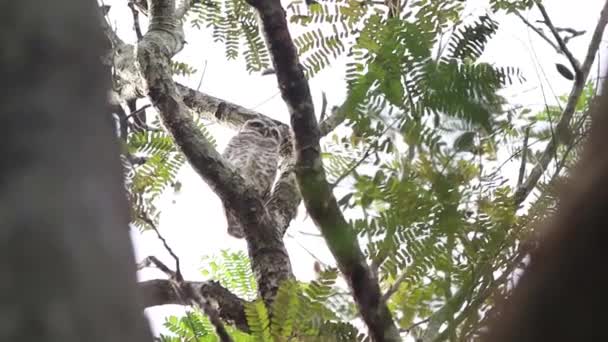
(234, 227)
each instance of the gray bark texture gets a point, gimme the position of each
(66, 263)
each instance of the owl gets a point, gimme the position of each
(254, 153)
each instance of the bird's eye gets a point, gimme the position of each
(256, 124)
(275, 133)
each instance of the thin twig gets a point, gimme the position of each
(200, 82)
(538, 31)
(154, 261)
(365, 156)
(323, 106)
(353, 166)
(178, 273)
(136, 26)
(310, 234)
(573, 32)
(307, 250)
(395, 287)
(408, 329)
(135, 112)
(524, 155)
(573, 61)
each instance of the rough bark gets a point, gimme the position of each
(316, 192)
(269, 259)
(66, 263)
(229, 306)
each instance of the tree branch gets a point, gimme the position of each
(562, 127)
(230, 307)
(395, 287)
(178, 273)
(136, 26)
(524, 157)
(538, 31)
(316, 192)
(562, 45)
(189, 295)
(269, 260)
(218, 110)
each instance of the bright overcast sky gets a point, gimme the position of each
(193, 222)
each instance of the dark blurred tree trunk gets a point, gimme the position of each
(562, 294)
(67, 270)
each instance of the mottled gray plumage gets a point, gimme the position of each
(254, 152)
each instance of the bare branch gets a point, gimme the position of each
(154, 261)
(538, 31)
(187, 294)
(395, 287)
(136, 25)
(564, 49)
(562, 127)
(316, 192)
(178, 273)
(334, 120)
(354, 165)
(323, 106)
(218, 110)
(524, 157)
(419, 323)
(230, 307)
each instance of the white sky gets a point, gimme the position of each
(193, 222)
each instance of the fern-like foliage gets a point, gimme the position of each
(300, 311)
(332, 25)
(233, 23)
(393, 68)
(233, 271)
(182, 69)
(159, 171)
(146, 182)
(469, 41)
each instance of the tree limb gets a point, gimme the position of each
(212, 108)
(538, 31)
(269, 260)
(562, 127)
(316, 192)
(562, 45)
(230, 307)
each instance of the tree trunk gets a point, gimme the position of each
(67, 268)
